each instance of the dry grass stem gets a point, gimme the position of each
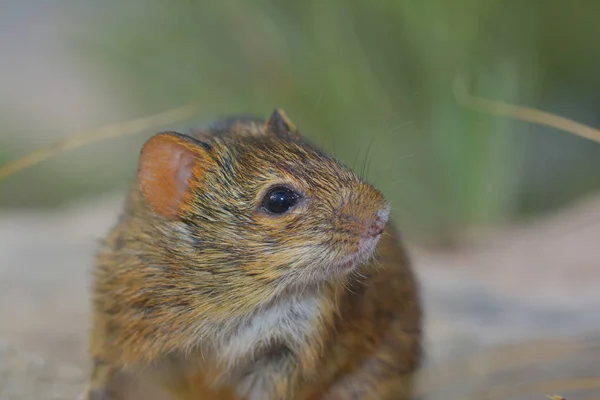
(94, 135)
(521, 113)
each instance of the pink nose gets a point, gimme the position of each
(376, 228)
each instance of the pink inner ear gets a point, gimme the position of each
(184, 171)
(165, 169)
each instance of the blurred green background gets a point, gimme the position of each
(370, 81)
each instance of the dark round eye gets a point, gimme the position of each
(280, 199)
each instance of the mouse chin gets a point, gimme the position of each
(333, 267)
(351, 262)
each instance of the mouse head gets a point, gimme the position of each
(266, 206)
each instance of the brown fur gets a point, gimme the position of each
(177, 280)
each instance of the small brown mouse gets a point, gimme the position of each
(248, 264)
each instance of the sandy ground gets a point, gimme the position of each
(532, 283)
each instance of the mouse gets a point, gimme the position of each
(247, 263)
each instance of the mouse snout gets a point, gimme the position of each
(362, 213)
(377, 225)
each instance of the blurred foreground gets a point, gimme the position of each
(533, 287)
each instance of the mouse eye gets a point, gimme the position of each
(280, 199)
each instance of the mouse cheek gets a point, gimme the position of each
(352, 246)
(264, 269)
(345, 243)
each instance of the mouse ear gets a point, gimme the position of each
(169, 163)
(279, 124)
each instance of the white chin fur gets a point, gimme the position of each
(366, 248)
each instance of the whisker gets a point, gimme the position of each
(367, 153)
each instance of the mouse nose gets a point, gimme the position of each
(377, 226)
